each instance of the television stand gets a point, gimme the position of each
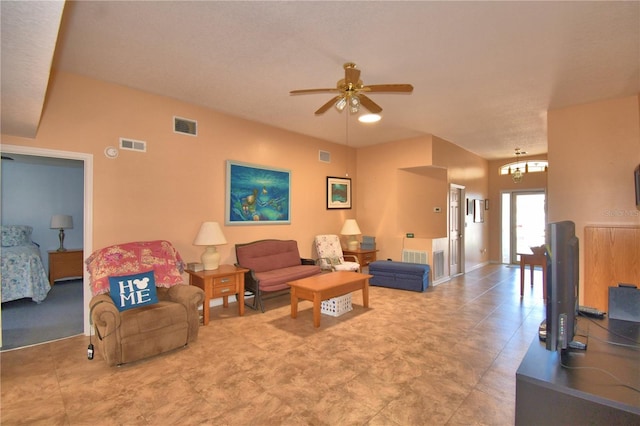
(580, 391)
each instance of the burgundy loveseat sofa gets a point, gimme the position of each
(272, 264)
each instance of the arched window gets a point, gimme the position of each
(528, 166)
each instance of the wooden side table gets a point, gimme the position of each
(365, 257)
(222, 282)
(65, 264)
(533, 260)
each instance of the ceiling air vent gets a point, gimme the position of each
(324, 156)
(185, 126)
(133, 145)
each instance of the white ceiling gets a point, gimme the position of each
(484, 73)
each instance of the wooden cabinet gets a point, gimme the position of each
(611, 256)
(365, 257)
(65, 264)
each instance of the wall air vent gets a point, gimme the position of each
(324, 156)
(185, 126)
(133, 145)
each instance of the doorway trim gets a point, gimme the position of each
(462, 226)
(512, 193)
(87, 231)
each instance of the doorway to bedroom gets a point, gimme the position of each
(37, 184)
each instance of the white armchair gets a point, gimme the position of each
(330, 256)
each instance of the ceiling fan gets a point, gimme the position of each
(351, 92)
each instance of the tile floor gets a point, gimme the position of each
(446, 356)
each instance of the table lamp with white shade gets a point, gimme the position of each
(61, 222)
(210, 235)
(351, 229)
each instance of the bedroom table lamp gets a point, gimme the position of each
(61, 222)
(210, 235)
(351, 229)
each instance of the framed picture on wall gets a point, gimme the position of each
(469, 206)
(338, 193)
(478, 211)
(257, 195)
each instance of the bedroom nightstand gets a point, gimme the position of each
(65, 264)
(222, 282)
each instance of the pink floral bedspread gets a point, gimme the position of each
(131, 258)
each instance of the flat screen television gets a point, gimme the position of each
(562, 286)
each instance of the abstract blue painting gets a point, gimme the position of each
(257, 195)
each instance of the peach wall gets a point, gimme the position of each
(179, 182)
(471, 171)
(401, 182)
(593, 149)
(378, 197)
(503, 183)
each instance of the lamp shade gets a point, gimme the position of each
(210, 234)
(61, 221)
(350, 227)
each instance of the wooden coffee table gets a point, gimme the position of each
(325, 286)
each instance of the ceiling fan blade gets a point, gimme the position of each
(369, 104)
(351, 75)
(328, 105)
(401, 88)
(303, 91)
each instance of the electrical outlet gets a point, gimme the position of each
(409, 234)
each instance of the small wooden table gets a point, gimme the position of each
(532, 260)
(222, 282)
(325, 286)
(365, 257)
(65, 264)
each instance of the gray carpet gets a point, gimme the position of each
(25, 322)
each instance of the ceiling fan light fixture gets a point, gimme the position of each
(341, 104)
(354, 104)
(369, 118)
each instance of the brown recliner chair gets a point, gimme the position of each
(139, 333)
(136, 333)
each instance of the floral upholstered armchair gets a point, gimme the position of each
(140, 305)
(330, 256)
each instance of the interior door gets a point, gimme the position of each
(456, 235)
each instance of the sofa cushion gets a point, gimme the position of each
(268, 255)
(277, 279)
(162, 315)
(133, 291)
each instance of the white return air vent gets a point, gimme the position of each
(415, 256)
(185, 126)
(324, 156)
(133, 145)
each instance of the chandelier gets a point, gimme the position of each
(517, 175)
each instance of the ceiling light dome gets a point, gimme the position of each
(369, 118)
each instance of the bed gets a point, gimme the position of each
(23, 274)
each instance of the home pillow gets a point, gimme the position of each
(16, 235)
(133, 291)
